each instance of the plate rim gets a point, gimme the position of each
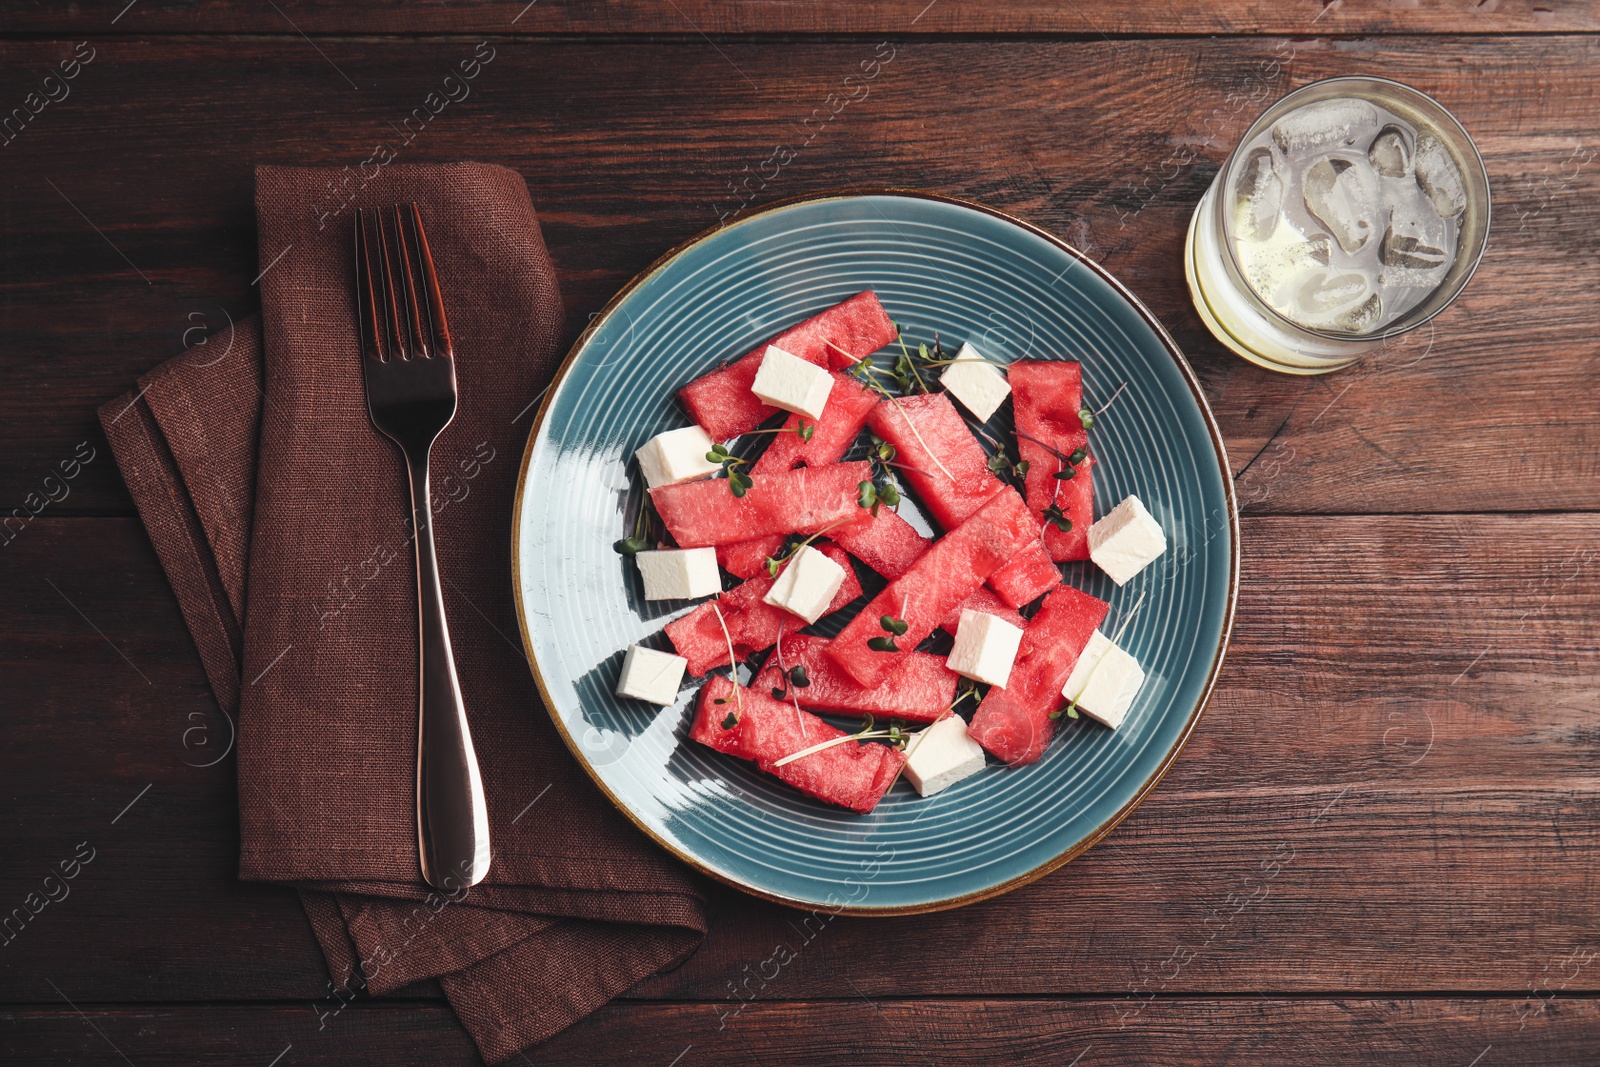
(1144, 789)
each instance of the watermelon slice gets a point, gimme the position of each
(722, 403)
(944, 576)
(752, 623)
(853, 775)
(832, 433)
(987, 602)
(920, 690)
(886, 543)
(798, 501)
(1026, 578)
(1049, 395)
(953, 479)
(1014, 723)
(746, 559)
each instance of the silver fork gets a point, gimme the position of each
(409, 366)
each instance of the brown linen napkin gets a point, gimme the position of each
(279, 515)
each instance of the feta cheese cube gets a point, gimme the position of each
(676, 456)
(979, 385)
(786, 381)
(1124, 541)
(941, 756)
(1104, 681)
(986, 645)
(651, 675)
(679, 573)
(807, 584)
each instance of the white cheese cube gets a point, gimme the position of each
(679, 573)
(676, 456)
(807, 584)
(651, 675)
(979, 385)
(1104, 681)
(1123, 542)
(786, 381)
(941, 756)
(986, 645)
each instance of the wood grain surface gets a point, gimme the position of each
(1091, 18)
(1381, 845)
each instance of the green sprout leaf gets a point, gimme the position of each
(778, 694)
(805, 429)
(1087, 418)
(1078, 456)
(731, 721)
(798, 677)
(867, 495)
(894, 625)
(883, 644)
(1054, 516)
(630, 546)
(1065, 473)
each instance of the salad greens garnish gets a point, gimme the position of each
(895, 628)
(739, 482)
(733, 662)
(787, 551)
(896, 735)
(642, 522)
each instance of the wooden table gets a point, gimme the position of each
(1382, 844)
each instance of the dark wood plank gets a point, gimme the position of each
(1394, 789)
(1090, 17)
(631, 147)
(1450, 1032)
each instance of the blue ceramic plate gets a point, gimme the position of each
(971, 273)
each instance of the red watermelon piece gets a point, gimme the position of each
(722, 403)
(853, 775)
(832, 433)
(938, 456)
(752, 623)
(746, 559)
(987, 602)
(1014, 723)
(1026, 578)
(1048, 394)
(886, 543)
(944, 576)
(920, 690)
(799, 501)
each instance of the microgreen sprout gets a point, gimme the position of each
(1055, 517)
(733, 661)
(967, 691)
(774, 564)
(1086, 417)
(896, 735)
(795, 677)
(801, 429)
(739, 482)
(894, 628)
(639, 541)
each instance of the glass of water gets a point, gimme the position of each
(1353, 210)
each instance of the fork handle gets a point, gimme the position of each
(452, 816)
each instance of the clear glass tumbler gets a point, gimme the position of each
(1353, 210)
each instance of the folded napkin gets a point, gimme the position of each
(280, 516)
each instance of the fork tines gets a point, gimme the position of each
(399, 310)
